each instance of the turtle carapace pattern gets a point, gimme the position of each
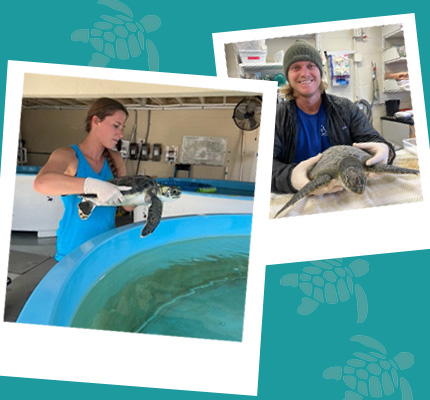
(145, 191)
(347, 164)
(120, 36)
(373, 374)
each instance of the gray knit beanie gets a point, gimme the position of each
(302, 50)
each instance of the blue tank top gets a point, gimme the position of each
(73, 231)
(312, 136)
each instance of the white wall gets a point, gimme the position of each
(361, 86)
(44, 130)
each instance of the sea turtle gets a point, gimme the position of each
(329, 282)
(119, 36)
(144, 191)
(373, 374)
(347, 164)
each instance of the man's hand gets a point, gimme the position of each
(379, 151)
(299, 177)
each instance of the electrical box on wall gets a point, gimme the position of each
(124, 149)
(171, 154)
(357, 32)
(358, 57)
(145, 150)
(133, 151)
(156, 152)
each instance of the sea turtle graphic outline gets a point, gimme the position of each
(373, 374)
(120, 36)
(329, 282)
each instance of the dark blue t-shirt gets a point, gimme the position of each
(312, 136)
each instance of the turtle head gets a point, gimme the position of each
(170, 192)
(404, 360)
(352, 175)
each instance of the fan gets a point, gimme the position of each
(247, 113)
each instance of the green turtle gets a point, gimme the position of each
(373, 374)
(329, 282)
(120, 36)
(144, 191)
(347, 164)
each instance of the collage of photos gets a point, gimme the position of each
(151, 215)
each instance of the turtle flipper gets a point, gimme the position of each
(98, 60)
(290, 280)
(308, 306)
(369, 342)
(154, 215)
(392, 169)
(333, 373)
(153, 59)
(117, 6)
(406, 389)
(352, 396)
(81, 35)
(313, 185)
(85, 208)
(362, 305)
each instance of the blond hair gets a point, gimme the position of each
(288, 91)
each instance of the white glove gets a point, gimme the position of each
(379, 151)
(106, 192)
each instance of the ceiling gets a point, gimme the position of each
(154, 102)
(61, 92)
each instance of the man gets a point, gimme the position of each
(311, 120)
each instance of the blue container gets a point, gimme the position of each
(27, 169)
(59, 295)
(211, 186)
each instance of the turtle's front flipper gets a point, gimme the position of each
(154, 215)
(392, 169)
(362, 305)
(406, 389)
(321, 180)
(85, 208)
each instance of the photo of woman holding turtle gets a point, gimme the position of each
(85, 168)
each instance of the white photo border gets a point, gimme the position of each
(378, 230)
(129, 359)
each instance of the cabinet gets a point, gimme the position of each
(45, 220)
(268, 67)
(396, 76)
(395, 130)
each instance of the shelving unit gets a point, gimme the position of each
(396, 79)
(253, 70)
(271, 70)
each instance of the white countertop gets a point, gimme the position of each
(382, 190)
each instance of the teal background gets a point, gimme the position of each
(305, 345)
(396, 285)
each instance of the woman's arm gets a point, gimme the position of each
(57, 176)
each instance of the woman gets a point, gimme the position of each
(85, 168)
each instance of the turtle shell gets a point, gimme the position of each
(371, 375)
(330, 282)
(329, 162)
(138, 184)
(118, 37)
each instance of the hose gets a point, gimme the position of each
(364, 106)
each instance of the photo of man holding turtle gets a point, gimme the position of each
(310, 121)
